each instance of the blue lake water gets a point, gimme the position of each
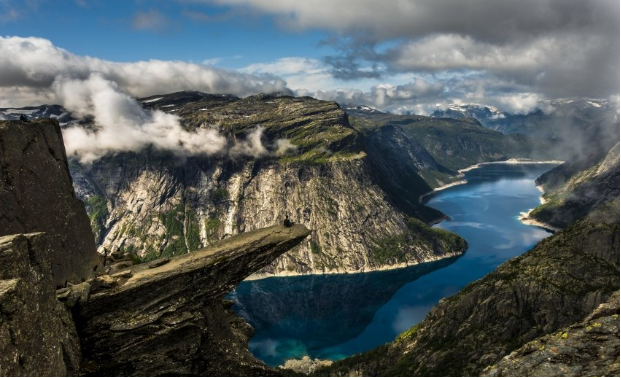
(335, 316)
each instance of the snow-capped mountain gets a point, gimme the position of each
(34, 112)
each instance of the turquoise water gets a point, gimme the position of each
(335, 316)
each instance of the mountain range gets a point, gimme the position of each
(355, 181)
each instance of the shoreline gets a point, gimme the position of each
(262, 276)
(475, 166)
(439, 188)
(510, 161)
(525, 220)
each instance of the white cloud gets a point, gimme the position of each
(299, 72)
(283, 146)
(122, 124)
(34, 71)
(252, 145)
(32, 65)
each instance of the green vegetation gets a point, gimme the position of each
(97, 208)
(212, 224)
(391, 249)
(318, 130)
(173, 237)
(408, 334)
(220, 194)
(401, 248)
(192, 230)
(315, 248)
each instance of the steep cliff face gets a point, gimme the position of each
(556, 284)
(453, 143)
(37, 333)
(36, 195)
(155, 205)
(577, 186)
(169, 318)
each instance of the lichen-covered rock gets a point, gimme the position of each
(36, 195)
(589, 348)
(37, 333)
(171, 319)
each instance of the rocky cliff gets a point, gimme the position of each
(36, 195)
(166, 317)
(556, 284)
(37, 333)
(169, 318)
(452, 143)
(588, 348)
(154, 205)
(577, 186)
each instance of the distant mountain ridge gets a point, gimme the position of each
(566, 128)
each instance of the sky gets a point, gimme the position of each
(398, 55)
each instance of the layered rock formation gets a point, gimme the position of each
(37, 333)
(556, 284)
(36, 195)
(154, 205)
(170, 319)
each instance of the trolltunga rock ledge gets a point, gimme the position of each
(171, 319)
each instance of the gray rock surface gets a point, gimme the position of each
(36, 195)
(172, 319)
(588, 348)
(577, 186)
(37, 333)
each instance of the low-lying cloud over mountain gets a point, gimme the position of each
(36, 72)
(408, 56)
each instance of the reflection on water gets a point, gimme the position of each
(334, 316)
(304, 315)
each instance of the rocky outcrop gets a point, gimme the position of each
(37, 333)
(152, 205)
(556, 284)
(589, 348)
(168, 318)
(36, 195)
(577, 186)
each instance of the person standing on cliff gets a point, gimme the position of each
(105, 259)
(287, 222)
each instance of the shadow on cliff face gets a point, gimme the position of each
(321, 310)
